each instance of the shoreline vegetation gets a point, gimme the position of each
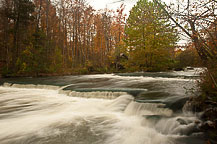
(85, 71)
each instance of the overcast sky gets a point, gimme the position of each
(113, 4)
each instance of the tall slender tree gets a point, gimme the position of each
(150, 37)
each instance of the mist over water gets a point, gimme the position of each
(139, 108)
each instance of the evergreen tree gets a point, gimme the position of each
(150, 38)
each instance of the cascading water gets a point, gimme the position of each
(110, 110)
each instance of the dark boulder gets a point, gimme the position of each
(189, 68)
(181, 121)
(179, 69)
(193, 105)
(210, 114)
(207, 125)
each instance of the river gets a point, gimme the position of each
(127, 108)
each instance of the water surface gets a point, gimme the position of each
(140, 108)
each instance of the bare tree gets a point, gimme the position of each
(194, 18)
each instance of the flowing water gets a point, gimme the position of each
(130, 108)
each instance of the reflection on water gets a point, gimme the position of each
(140, 108)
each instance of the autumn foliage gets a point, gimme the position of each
(44, 36)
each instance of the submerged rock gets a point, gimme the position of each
(178, 69)
(181, 121)
(189, 68)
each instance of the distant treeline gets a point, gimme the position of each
(39, 36)
(69, 36)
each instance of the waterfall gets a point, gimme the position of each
(101, 109)
(28, 86)
(142, 109)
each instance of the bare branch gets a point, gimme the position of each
(162, 7)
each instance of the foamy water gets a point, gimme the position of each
(45, 116)
(98, 109)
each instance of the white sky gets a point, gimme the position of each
(113, 4)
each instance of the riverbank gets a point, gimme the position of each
(79, 71)
(206, 104)
(65, 72)
(207, 108)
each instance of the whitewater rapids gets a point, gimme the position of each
(42, 116)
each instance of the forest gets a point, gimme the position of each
(39, 37)
(56, 37)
